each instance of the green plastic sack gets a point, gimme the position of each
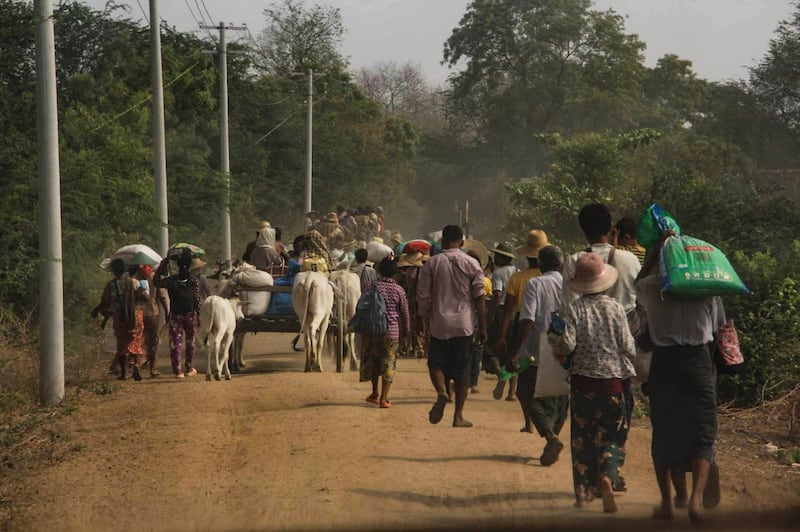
(690, 266)
(652, 225)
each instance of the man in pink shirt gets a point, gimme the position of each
(449, 288)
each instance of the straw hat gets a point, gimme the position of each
(349, 245)
(537, 239)
(478, 250)
(262, 225)
(410, 259)
(396, 239)
(197, 263)
(505, 249)
(592, 275)
(332, 217)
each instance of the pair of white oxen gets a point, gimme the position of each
(313, 296)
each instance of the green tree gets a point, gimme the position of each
(776, 79)
(298, 38)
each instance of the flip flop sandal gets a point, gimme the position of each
(386, 404)
(437, 411)
(371, 399)
(551, 452)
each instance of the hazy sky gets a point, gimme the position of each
(721, 37)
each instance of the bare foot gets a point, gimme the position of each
(511, 398)
(372, 398)
(695, 511)
(680, 503)
(664, 511)
(581, 504)
(526, 429)
(462, 423)
(607, 493)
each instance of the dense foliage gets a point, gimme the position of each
(549, 106)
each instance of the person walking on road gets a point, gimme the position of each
(542, 297)
(379, 353)
(598, 347)
(450, 291)
(184, 317)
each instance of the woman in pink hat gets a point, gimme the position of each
(597, 345)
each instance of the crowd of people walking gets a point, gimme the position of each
(445, 301)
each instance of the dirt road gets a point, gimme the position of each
(276, 448)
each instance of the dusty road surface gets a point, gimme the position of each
(276, 448)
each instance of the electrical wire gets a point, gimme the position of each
(143, 13)
(199, 24)
(144, 100)
(274, 129)
(207, 13)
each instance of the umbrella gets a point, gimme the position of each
(130, 253)
(478, 249)
(143, 258)
(176, 250)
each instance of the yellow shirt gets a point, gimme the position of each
(516, 286)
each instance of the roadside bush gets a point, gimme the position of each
(768, 323)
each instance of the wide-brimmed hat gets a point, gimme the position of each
(262, 225)
(504, 248)
(332, 217)
(592, 275)
(477, 249)
(196, 264)
(349, 245)
(410, 259)
(396, 239)
(537, 239)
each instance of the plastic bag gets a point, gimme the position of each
(693, 267)
(652, 225)
(551, 379)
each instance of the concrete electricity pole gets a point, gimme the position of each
(51, 278)
(224, 148)
(159, 142)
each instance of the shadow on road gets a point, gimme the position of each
(450, 501)
(505, 458)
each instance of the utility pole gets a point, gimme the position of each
(159, 142)
(309, 141)
(224, 140)
(51, 275)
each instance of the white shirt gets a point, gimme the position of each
(542, 296)
(678, 320)
(627, 266)
(500, 279)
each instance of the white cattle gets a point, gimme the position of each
(218, 323)
(312, 299)
(350, 286)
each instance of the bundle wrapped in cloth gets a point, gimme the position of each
(377, 251)
(254, 303)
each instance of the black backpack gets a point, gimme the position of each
(370, 318)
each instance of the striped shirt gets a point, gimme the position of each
(396, 307)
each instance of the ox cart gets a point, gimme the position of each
(286, 323)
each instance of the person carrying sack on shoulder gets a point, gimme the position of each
(682, 390)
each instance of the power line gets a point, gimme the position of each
(200, 12)
(144, 100)
(274, 129)
(143, 13)
(199, 24)
(210, 18)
